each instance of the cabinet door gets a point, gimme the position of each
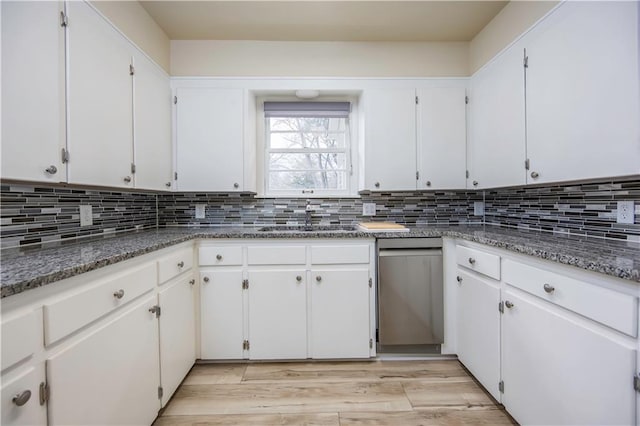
(33, 123)
(558, 370)
(277, 314)
(222, 314)
(100, 97)
(582, 93)
(109, 376)
(497, 122)
(442, 138)
(177, 334)
(479, 329)
(152, 126)
(25, 384)
(340, 325)
(390, 139)
(209, 144)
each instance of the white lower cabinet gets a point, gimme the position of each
(177, 334)
(21, 397)
(340, 312)
(222, 314)
(557, 369)
(109, 376)
(478, 321)
(277, 314)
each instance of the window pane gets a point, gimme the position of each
(299, 140)
(315, 161)
(307, 124)
(292, 180)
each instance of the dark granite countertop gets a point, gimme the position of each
(24, 269)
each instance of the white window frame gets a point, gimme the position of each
(350, 151)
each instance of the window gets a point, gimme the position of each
(307, 148)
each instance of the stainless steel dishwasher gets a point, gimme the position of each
(410, 295)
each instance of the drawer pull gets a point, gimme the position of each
(219, 256)
(472, 260)
(508, 304)
(459, 278)
(180, 264)
(318, 278)
(299, 278)
(192, 282)
(548, 288)
(205, 279)
(119, 294)
(21, 398)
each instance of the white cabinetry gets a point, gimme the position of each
(100, 96)
(152, 125)
(109, 376)
(33, 109)
(209, 139)
(442, 138)
(177, 333)
(497, 122)
(277, 314)
(21, 397)
(582, 93)
(389, 139)
(559, 369)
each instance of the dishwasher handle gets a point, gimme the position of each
(410, 252)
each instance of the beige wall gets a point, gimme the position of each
(513, 20)
(318, 59)
(131, 18)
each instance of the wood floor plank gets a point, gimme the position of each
(465, 393)
(313, 419)
(287, 398)
(434, 417)
(215, 374)
(317, 372)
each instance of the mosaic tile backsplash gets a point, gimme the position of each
(38, 214)
(32, 214)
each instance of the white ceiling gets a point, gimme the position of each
(340, 20)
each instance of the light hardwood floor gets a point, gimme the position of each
(402, 393)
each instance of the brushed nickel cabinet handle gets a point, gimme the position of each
(119, 294)
(472, 260)
(192, 281)
(377, 184)
(508, 304)
(299, 278)
(168, 184)
(535, 175)
(52, 170)
(459, 278)
(236, 185)
(548, 288)
(318, 278)
(21, 398)
(205, 279)
(219, 256)
(127, 179)
(428, 183)
(475, 183)
(181, 264)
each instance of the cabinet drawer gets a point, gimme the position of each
(277, 255)
(174, 264)
(220, 255)
(484, 263)
(21, 337)
(326, 255)
(609, 307)
(63, 317)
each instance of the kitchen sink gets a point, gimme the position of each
(312, 228)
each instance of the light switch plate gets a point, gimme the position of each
(200, 211)
(626, 211)
(478, 208)
(368, 209)
(86, 215)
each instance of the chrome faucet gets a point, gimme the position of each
(307, 216)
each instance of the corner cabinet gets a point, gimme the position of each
(296, 299)
(33, 85)
(210, 139)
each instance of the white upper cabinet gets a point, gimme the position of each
(152, 125)
(582, 93)
(209, 139)
(100, 96)
(497, 122)
(442, 138)
(33, 124)
(389, 139)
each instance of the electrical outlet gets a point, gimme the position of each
(626, 211)
(200, 211)
(86, 215)
(478, 208)
(368, 209)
